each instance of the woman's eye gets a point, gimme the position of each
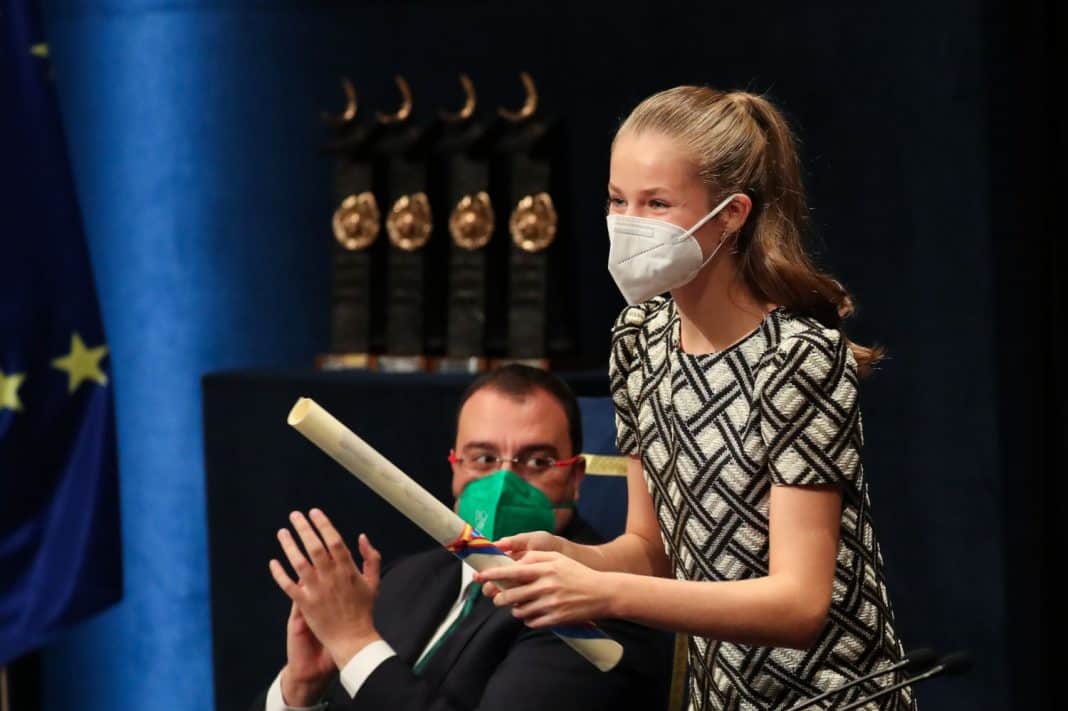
(658, 204)
(616, 202)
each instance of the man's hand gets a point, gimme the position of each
(308, 664)
(334, 596)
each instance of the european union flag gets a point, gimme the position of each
(60, 558)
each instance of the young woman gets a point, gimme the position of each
(748, 521)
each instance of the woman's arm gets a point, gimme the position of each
(639, 550)
(786, 608)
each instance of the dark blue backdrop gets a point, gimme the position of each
(194, 140)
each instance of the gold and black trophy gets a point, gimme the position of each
(356, 224)
(463, 168)
(524, 152)
(401, 178)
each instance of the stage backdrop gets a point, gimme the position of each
(194, 140)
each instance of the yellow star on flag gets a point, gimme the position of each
(82, 364)
(9, 390)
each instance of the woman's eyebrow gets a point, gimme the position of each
(643, 191)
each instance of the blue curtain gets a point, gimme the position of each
(195, 153)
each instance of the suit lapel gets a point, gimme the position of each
(414, 600)
(451, 649)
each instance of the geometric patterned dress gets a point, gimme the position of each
(714, 432)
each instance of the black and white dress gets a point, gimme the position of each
(714, 433)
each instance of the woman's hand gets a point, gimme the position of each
(548, 588)
(520, 544)
(515, 546)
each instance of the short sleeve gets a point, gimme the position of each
(810, 417)
(623, 365)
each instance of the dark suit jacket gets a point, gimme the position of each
(493, 661)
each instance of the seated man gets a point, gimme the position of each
(424, 637)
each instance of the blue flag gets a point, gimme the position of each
(60, 555)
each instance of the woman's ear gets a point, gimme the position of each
(736, 213)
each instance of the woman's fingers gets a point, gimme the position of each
(510, 575)
(513, 577)
(516, 545)
(537, 612)
(512, 545)
(522, 595)
(542, 602)
(537, 557)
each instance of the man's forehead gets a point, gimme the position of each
(491, 415)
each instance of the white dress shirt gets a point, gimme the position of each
(360, 667)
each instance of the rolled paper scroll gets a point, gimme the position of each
(429, 514)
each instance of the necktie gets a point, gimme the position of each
(471, 595)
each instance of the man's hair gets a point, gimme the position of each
(519, 381)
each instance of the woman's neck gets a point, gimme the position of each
(717, 308)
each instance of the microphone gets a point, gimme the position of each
(954, 663)
(916, 660)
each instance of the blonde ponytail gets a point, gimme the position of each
(741, 143)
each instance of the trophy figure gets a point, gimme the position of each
(356, 224)
(525, 149)
(463, 171)
(401, 175)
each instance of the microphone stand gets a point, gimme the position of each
(916, 659)
(954, 663)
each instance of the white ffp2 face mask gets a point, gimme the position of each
(648, 256)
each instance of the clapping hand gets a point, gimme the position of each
(332, 595)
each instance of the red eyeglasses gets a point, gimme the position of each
(484, 462)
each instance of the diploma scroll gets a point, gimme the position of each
(434, 517)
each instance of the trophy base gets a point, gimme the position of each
(345, 361)
(542, 363)
(461, 364)
(402, 364)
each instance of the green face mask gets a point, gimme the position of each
(503, 504)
